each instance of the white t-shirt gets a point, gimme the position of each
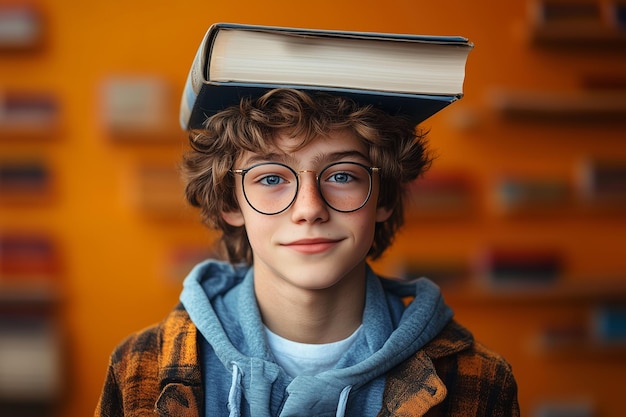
(307, 359)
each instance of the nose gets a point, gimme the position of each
(309, 206)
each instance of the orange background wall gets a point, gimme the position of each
(115, 257)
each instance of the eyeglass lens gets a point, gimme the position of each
(271, 188)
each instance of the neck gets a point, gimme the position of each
(312, 316)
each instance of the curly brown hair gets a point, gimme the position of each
(394, 145)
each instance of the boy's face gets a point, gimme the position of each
(309, 245)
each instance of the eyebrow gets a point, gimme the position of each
(317, 159)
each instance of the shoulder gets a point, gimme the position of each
(151, 348)
(454, 350)
(456, 347)
(452, 376)
(141, 363)
(479, 380)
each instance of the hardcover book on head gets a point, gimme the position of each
(410, 75)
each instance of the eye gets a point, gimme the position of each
(271, 180)
(269, 175)
(340, 177)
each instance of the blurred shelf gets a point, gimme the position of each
(580, 107)
(578, 36)
(586, 348)
(574, 292)
(577, 346)
(34, 294)
(44, 131)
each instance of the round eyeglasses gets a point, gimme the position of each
(271, 187)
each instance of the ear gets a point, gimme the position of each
(234, 218)
(383, 213)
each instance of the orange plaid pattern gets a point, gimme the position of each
(156, 372)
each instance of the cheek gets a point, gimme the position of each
(259, 227)
(363, 224)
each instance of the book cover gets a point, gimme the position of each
(368, 77)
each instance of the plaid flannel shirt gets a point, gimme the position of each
(156, 372)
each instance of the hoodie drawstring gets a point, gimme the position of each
(343, 401)
(234, 395)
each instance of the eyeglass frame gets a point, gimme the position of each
(370, 171)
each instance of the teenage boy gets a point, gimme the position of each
(305, 187)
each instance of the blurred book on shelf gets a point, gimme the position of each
(21, 27)
(28, 114)
(24, 181)
(603, 184)
(156, 189)
(536, 196)
(137, 108)
(563, 335)
(447, 273)
(29, 267)
(564, 408)
(600, 330)
(31, 347)
(515, 268)
(609, 324)
(564, 24)
(31, 360)
(604, 80)
(441, 194)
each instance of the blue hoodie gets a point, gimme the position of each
(241, 377)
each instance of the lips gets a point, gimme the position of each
(311, 246)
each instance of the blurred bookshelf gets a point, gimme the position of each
(533, 290)
(33, 343)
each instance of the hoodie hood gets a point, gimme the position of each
(220, 300)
